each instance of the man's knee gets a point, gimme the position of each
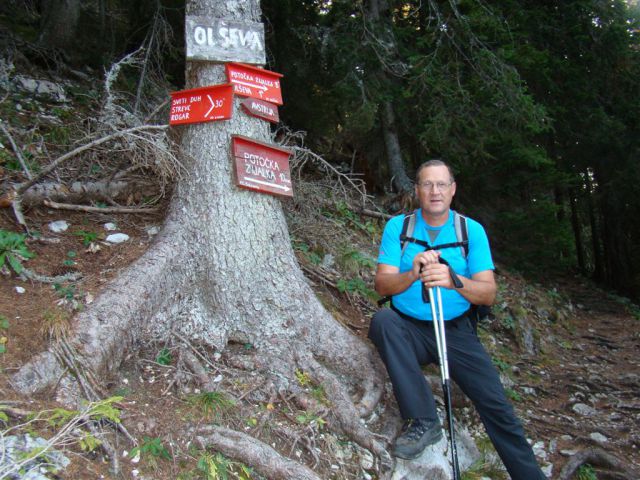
(383, 323)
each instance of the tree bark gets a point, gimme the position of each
(60, 21)
(377, 12)
(222, 270)
(577, 233)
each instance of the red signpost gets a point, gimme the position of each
(258, 108)
(261, 167)
(249, 81)
(202, 104)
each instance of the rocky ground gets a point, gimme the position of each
(575, 389)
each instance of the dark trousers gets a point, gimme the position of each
(405, 344)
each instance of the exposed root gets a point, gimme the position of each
(90, 209)
(346, 415)
(192, 362)
(596, 457)
(27, 274)
(250, 451)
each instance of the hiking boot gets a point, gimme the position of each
(417, 434)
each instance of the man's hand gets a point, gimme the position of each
(421, 260)
(436, 275)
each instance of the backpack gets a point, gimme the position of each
(478, 312)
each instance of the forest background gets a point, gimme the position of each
(535, 104)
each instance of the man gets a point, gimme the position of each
(404, 334)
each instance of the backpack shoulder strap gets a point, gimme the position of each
(462, 232)
(408, 226)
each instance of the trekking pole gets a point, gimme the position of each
(441, 342)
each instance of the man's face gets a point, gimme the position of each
(435, 190)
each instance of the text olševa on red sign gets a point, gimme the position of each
(249, 81)
(203, 104)
(261, 167)
(258, 108)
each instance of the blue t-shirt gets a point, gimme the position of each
(478, 259)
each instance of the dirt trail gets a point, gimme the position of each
(588, 394)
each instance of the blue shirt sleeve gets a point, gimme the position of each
(390, 247)
(479, 256)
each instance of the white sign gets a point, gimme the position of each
(221, 40)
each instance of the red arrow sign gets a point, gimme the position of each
(260, 109)
(202, 104)
(255, 82)
(261, 167)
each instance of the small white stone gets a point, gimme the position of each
(20, 289)
(598, 437)
(136, 458)
(217, 379)
(109, 226)
(58, 226)
(153, 230)
(117, 238)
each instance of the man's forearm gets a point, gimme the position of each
(394, 283)
(477, 292)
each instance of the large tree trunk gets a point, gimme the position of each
(59, 24)
(378, 15)
(222, 270)
(577, 229)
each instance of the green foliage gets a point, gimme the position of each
(69, 261)
(164, 357)
(88, 443)
(13, 250)
(67, 292)
(503, 366)
(586, 472)
(218, 467)
(312, 256)
(4, 418)
(87, 237)
(304, 379)
(487, 466)
(352, 260)
(356, 286)
(320, 395)
(151, 449)
(211, 404)
(312, 419)
(348, 215)
(513, 395)
(4, 325)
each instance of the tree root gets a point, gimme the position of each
(27, 274)
(89, 209)
(250, 451)
(347, 418)
(598, 457)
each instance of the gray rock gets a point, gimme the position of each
(584, 410)
(43, 467)
(598, 438)
(328, 261)
(434, 463)
(41, 87)
(109, 226)
(117, 238)
(58, 226)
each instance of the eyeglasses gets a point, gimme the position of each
(441, 186)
